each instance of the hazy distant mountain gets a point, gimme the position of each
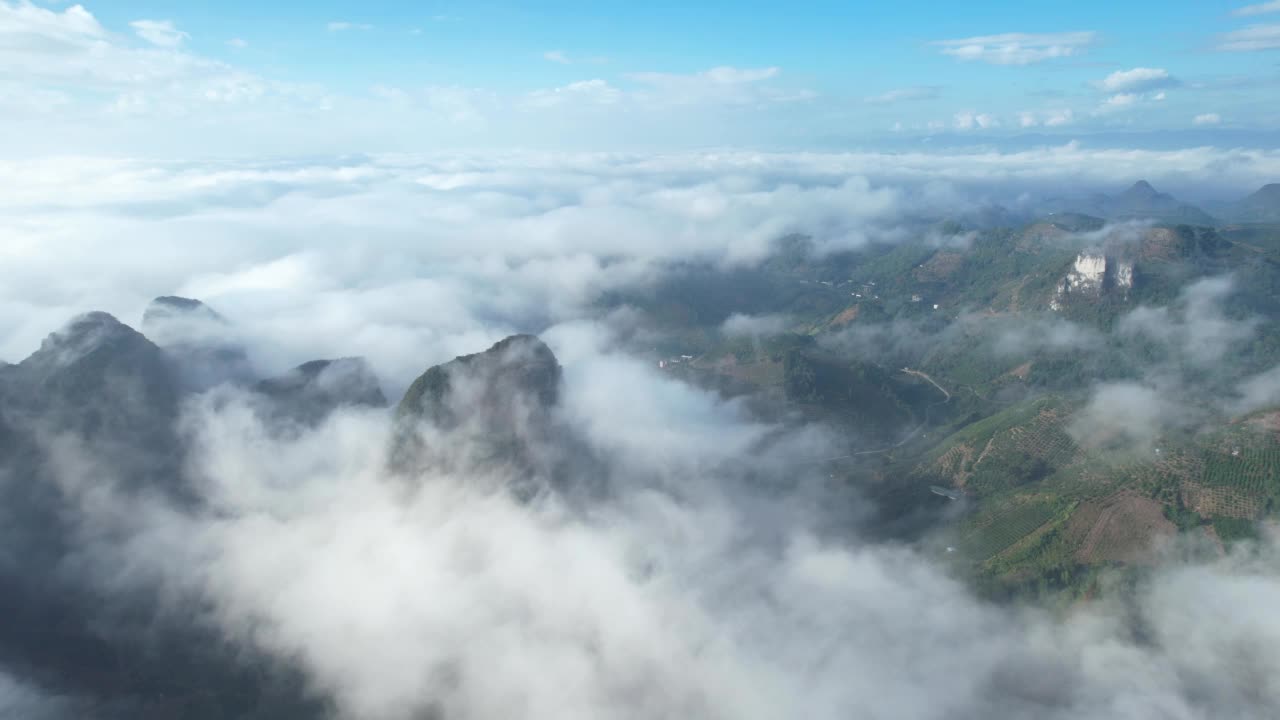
(1263, 206)
(1140, 202)
(313, 390)
(201, 343)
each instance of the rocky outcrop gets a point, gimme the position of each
(1092, 275)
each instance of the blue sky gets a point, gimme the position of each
(407, 75)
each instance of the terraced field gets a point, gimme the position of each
(1044, 438)
(1255, 471)
(1001, 530)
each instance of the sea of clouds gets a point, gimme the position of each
(714, 578)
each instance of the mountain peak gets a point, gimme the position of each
(1142, 188)
(168, 308)
(499, 400)
(84, 334)
(516, 365)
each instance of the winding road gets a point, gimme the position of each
(932, 382)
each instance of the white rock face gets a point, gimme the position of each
(1124, 275)
(1088, 276)
(1088, 272)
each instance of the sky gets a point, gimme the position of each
(242, 78)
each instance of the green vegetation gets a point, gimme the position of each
(1040, 513)
(1253, 471)
(1232, 530)
(861, 392)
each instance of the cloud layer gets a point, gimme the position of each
(720, 576)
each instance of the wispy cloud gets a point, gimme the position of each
(588, 92)
(919, 92)
(1138, 80)
(1207, 119)
(1258, 9)
(159, 32)
(1017, 48)
(1254, 37)
(342, 25)
(238, 43)
(556, 56)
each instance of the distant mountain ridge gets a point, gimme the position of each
(1140, 201)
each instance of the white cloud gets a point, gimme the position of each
(75, 23)
(969, 120)
(18, 99)
(1047, 118)
(740, 325)
(45, 51)
(238, 43)
(159, 32)
(1126, 415)
(1258, 9)
(556, 56)
(1257, 392)
(1196, 325)
(1254, 37)
(1207, 119)
(513, 242)
(922, 92)
(500, 240)
(1017, 48)
(343, 25)
(1137, 80)
(1057, 118)
(1120, 101)
(391, 94)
